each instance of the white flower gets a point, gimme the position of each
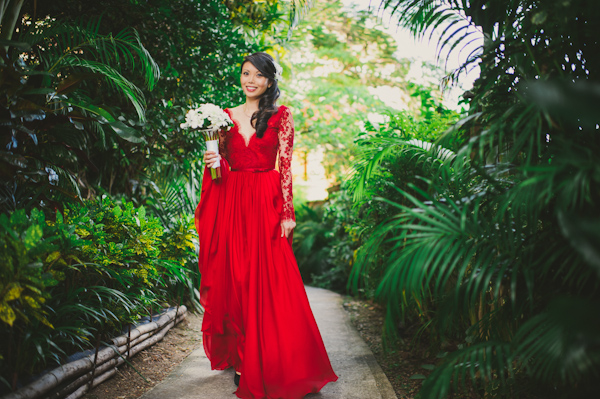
(278, 70)
(206, 116)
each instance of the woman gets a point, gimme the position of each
(257, 318)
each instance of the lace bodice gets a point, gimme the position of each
(261, 153)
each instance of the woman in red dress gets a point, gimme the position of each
(257, 317)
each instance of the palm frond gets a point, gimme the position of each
(75, 46)
(481, 364)
(297, 9)
(376, 149)
(423, 16)
(174, 196)
(114, 78)
(561, 344)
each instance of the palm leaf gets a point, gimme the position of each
(69, 47)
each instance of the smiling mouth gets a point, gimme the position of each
(251, 88)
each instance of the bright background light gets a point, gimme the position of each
(420, 52)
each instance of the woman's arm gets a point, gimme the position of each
(286, 146)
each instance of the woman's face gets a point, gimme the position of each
(253, 82)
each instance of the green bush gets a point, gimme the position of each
(499, 251)
(324, 242)
(328, 236)
(85, 274)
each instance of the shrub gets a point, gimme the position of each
(85, 274)
(324, 242)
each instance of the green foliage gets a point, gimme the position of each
(123, 240)
(85, 274)
(22, 280)
(52, 118)
(267, 19)
(332, 87)
(496, 247)
(402, 148)
(72, 137)
(328, 237)
(81, 52)
(325, 240)
(198, 49)
(179, 250)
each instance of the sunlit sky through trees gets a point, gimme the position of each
(423, 51)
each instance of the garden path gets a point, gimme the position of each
(360, 377)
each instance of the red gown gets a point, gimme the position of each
(257, 317)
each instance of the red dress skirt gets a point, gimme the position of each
(257, 317)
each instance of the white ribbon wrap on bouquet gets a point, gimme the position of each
(213, 145)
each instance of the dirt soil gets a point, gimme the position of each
(156, 362)
(403, 362)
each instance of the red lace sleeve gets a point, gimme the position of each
(286, 145)
(222, 143)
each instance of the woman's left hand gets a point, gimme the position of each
(286, 227)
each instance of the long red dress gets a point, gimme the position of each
(257, 317)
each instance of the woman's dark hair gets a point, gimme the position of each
(266, 105)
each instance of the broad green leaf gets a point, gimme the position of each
(32, 236)
(126, 132)
(92, 108)
(117, 211)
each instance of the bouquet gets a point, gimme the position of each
(209, 119)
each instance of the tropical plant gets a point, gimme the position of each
(500, 250)
(198, 49)
(328, 235)
(267, 19)
(344, 237)
(325, 240)
(51, 116)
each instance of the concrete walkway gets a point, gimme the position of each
(360, 377)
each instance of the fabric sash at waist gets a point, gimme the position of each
(253, 170)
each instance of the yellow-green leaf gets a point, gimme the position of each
(52, 257)
(13, 293)
(32, 236)
(31, 302)
(7, 315)
(43, 320)
(34, 289)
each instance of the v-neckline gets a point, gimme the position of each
(239, 130)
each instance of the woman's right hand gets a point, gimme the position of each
(210, 157)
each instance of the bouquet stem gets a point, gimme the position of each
(212, 144)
